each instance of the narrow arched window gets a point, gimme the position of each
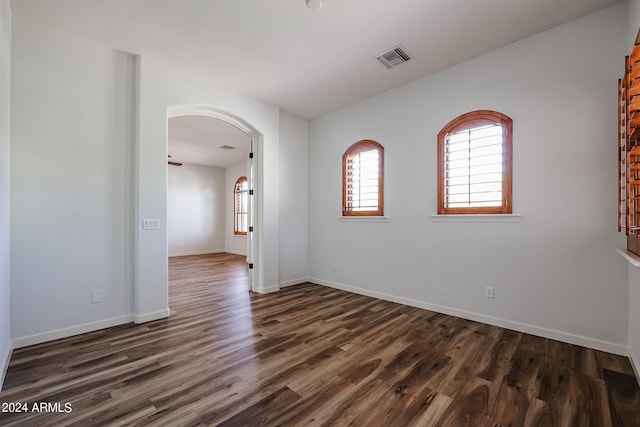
(240, 206)
(474, 164)
(363, 179)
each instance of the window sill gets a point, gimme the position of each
(477, 218)
(631, 258)
(364, 218)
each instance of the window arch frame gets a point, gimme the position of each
(238, 194)
(470, 120)
(355, 149)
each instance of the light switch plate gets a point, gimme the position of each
(150, 224)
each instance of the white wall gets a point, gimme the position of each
(196, 209)
(89, 164)
(556, 273)
(163, 86)
(294, 202)
(71, 200)
(234, 244)
(89, 126)
(5, 70)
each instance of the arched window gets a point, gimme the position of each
(240, 206)
(474, 164)
(363, 179)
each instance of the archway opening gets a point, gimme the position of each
(232, 131)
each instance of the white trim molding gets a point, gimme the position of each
(203, 252)
(70, 331)
(635, 364)
(268, 289)
(88, 327)
(5, 358)
(631, 258)
(566, 337)
(293, 282)
(150, 317)
(229, 251)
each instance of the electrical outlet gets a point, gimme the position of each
(334, 267)
(488, 292)
(96, 296)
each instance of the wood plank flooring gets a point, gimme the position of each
(310, 355)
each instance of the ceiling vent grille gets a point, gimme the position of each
(227, 147)
(394, 57)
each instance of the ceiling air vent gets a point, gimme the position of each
(227, 147)
(394, 57)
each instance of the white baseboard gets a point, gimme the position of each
(212, 251)
(268, 289)
(229, 251)
(150, 317)
(580, 340)
(88, 327)
(293, 282)
(635, 363)
(5, 358)
(70, 331)
(190, 253)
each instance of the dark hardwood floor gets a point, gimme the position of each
(310, 355)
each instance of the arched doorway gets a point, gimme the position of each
(254, 168)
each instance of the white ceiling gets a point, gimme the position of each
(197, 139)
(307, 62)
